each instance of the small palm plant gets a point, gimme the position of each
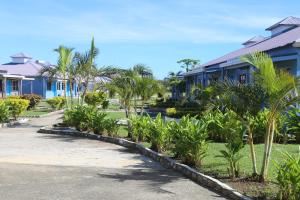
(281, 88)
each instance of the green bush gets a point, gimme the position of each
(56, 103)
(189, 137)
(140, 128)
(112, 127)
(80, 117)
(34, 99)
(180, 112)
(293, 123)
(4, 112)
(98, 122)
(16, 106)
(288, 178)
(96, 99)
(159, 134)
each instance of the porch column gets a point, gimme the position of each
(20, 87)
(4, 87)
(31, 87)
(298, 65)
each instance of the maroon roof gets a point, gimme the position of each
(280, 40)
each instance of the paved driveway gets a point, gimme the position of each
(37, 166)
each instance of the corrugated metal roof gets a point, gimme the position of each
(280, 40)
(287, 21)
(21, 55)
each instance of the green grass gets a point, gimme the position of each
(35, 112)
(116, 115)
(218, 165)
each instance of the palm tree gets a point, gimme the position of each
(63, 66)
(188, 63)
(146, 88)
(86, 67)
(281, 88)
(63, 63)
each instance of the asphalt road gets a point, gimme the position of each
(36, 166)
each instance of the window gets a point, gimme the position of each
(49, 84)
(243, 78)
(58, 86)
(63, 86)
(15, 85)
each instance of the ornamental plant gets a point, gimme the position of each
(56, 103)
(96, 99)
(288, 177)
(80, 117)
(112, 127)
(4, 116)
(34, 99)
(189, 136)
(140, 128)
(16, 106)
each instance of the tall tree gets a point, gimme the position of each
(188, 63)
(281, 88)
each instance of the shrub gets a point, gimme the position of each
(33, 99)
(179, 112)
(112, 127)
(96, 99)
(97, 123)
(79, 117)
(140, 128)
(4, 112)
(234, 138)
(158, 134)
(16, 106)
(171, 112)
(288, 177)
(293, 123)
(56, 103)
(189, 138)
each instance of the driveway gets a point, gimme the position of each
(37, 166)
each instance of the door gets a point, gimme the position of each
(1, 89)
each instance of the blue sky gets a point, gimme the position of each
(153, 32)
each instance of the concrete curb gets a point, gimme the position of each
(201, 179)
(9, 124)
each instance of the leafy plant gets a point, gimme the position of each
(288, 177)
(189, 136)
(112, 127)
(293, 123)
(56, 103)
(158, 134)
(98, 122)
(4, 116)
(95, 98)
(16, 106)
(80, 117)
(140, 127)
(33, 99)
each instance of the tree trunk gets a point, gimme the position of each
(71, 92)
(267, 149)
(252, 151)
(65, 91)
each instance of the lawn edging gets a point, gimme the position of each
(200, 178)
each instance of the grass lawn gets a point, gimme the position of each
(116, 115)
(219, 165)
(35, 112)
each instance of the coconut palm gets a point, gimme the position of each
(281, 88)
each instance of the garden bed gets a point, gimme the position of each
(165, 161)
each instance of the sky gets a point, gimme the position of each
(156, 33)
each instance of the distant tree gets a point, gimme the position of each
(188, 63)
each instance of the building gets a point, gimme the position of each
(283, 45)
(22, 76)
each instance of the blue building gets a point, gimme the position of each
(24, 78)
(283, 45)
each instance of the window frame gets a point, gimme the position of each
(47, 86)
(14, 85)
